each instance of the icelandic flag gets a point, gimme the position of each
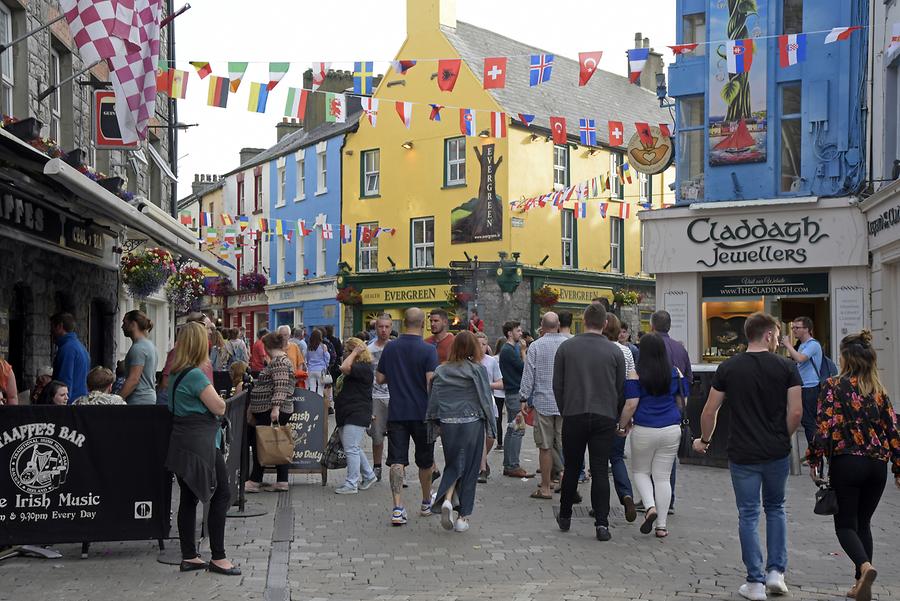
(541, 68)
(791, 49)
(467, 122)
(526, 119)
(637, 58)
(588, 129)
(740, 55)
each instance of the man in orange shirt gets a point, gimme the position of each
(258, 356)
(294, 354)
(440, 337)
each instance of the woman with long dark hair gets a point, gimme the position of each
(317, 359)
(856, 432)
(654, 397)
(460, 406)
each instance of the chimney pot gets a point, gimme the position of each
(637, 39)
(646, 42)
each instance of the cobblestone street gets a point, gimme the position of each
(344, 548)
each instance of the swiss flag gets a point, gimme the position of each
(643, 131)
(494, 73)
(616, 133)
(558, 125)
(448, 72)
(589, 62)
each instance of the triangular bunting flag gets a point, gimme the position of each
(236, 74)
(276, 72)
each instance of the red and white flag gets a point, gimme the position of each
(558, 127)
(588, 62)
(624, 210)
(840, 34)
(327, 231)
(680, 49)
(498, 125)
(664, 129)
(126, 33)
(494, 73)
(404, 110)
(319, 71)
(894, 46)
(370, 107)
(644, 133)
(616, 133)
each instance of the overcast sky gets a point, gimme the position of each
(303, 31)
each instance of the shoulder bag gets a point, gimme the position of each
(334, 457)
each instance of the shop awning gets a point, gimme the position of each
(105, 203)
(163, 165)
(164, 219)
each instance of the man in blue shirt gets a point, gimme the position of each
(72, 361)
(407, 365)
(808, 356)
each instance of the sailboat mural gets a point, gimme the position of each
(738, 125)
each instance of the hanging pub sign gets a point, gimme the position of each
(105, 123)
(651, 155)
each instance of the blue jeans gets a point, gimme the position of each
(351, 438)
(463, 445)
(513, 445)
(748, 480)
(619, 471)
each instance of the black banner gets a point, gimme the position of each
(83, 474)
(309, 426)
(236, 412)
(793, 284)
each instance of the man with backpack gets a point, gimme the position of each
(809, 358)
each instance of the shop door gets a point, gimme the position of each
(98, 330)
(284, 318)
(18, 329)
(789, 309)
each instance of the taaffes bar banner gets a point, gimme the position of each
(83, 474)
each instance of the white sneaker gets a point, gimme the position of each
(447, 515)
(755, 591)
(775, 583)
(461, 525)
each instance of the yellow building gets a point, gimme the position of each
(446, 196)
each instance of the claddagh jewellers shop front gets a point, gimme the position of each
(716, 263)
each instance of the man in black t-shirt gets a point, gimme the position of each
(763, 392)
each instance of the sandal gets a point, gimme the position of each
(662, 532)
(539, 495)
(649, 518)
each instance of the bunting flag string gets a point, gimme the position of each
(272, 228)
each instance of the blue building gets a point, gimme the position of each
(304, 204)
(771, 152)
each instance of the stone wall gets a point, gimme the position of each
(496, 307)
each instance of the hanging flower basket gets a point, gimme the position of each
(220, 286)
(348, 295)
(253, 282)
(185, 289)
(627, 296)
(144, 272)
(545, 297)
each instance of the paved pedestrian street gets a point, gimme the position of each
(329, 547)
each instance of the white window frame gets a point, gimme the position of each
(241, 198)
(371, 174)
(420, 250)
(281, 260)
(282, 183)
(321, 247)
(694, 33)
(9, 75)
(258, 185)
(456, 161)
(616, 230)
(644, 186)
(367, 254)
(560, 167)
(55, 99)
(321, 168)
(300, 263)
(567, 221)
(301, 176)
(616, 160)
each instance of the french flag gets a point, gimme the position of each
(740, 55)
(792, 49)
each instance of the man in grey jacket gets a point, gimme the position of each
(588, 383)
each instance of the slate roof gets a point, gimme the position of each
(606, 97)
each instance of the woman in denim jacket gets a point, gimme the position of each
(460, 410)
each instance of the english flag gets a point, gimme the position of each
(498, 125)
(558, 126)
(448, 73)
(791, 49)
(494, 73)
(404, 110)
(319, 72)
(467, 122)
(589, 63)
(637, 58)
(740, 55)
(840, 34)
(327, 231)
(680, 49)
(616, 133)
(646, 136)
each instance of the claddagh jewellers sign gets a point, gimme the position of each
(755, 240)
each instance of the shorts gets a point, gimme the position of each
(548, 431)
(380, 424)
(399, 434)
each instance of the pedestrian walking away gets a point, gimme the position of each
(317, 360)
(621, 482)
(492, 367)
(460, 409)
(353, 414)
(763, 392)
(588, 383)
(407, 365)
(381, 394)
(856, 434)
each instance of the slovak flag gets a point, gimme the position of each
(840, 34)
(740, 55)
(637, 58)
(526, 119)
(404, 110)
(616, 133)
(467, 122)
(346, 234)
(604, 206)
(498, 125)
(791, 49)
(588, 130)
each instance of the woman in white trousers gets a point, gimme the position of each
(654, 399)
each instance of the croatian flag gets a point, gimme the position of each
(740, 55)
(637, 58)
(588, 130)
(791, 49)
(467, 122)
(541, 68)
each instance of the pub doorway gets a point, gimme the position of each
(817, 309)
(18, 332)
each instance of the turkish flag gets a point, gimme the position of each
(494, 73)
(558, 125)
(616, 133)
(448, 72)
(589, 62)
(643, 131)
(366, 235)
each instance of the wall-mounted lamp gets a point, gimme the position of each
(544, 260)
(391, 261)
(592, 152)
(534, 137)
(407, 145)
(547, 139)
(466, 255)
(349, 153)
(484, 134)
(401, 82)
(608, 263)
(573, 146)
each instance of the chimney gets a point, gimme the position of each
(286, 127)
(202, 181)
(653, 66)
(249, 153)
(425, 17)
